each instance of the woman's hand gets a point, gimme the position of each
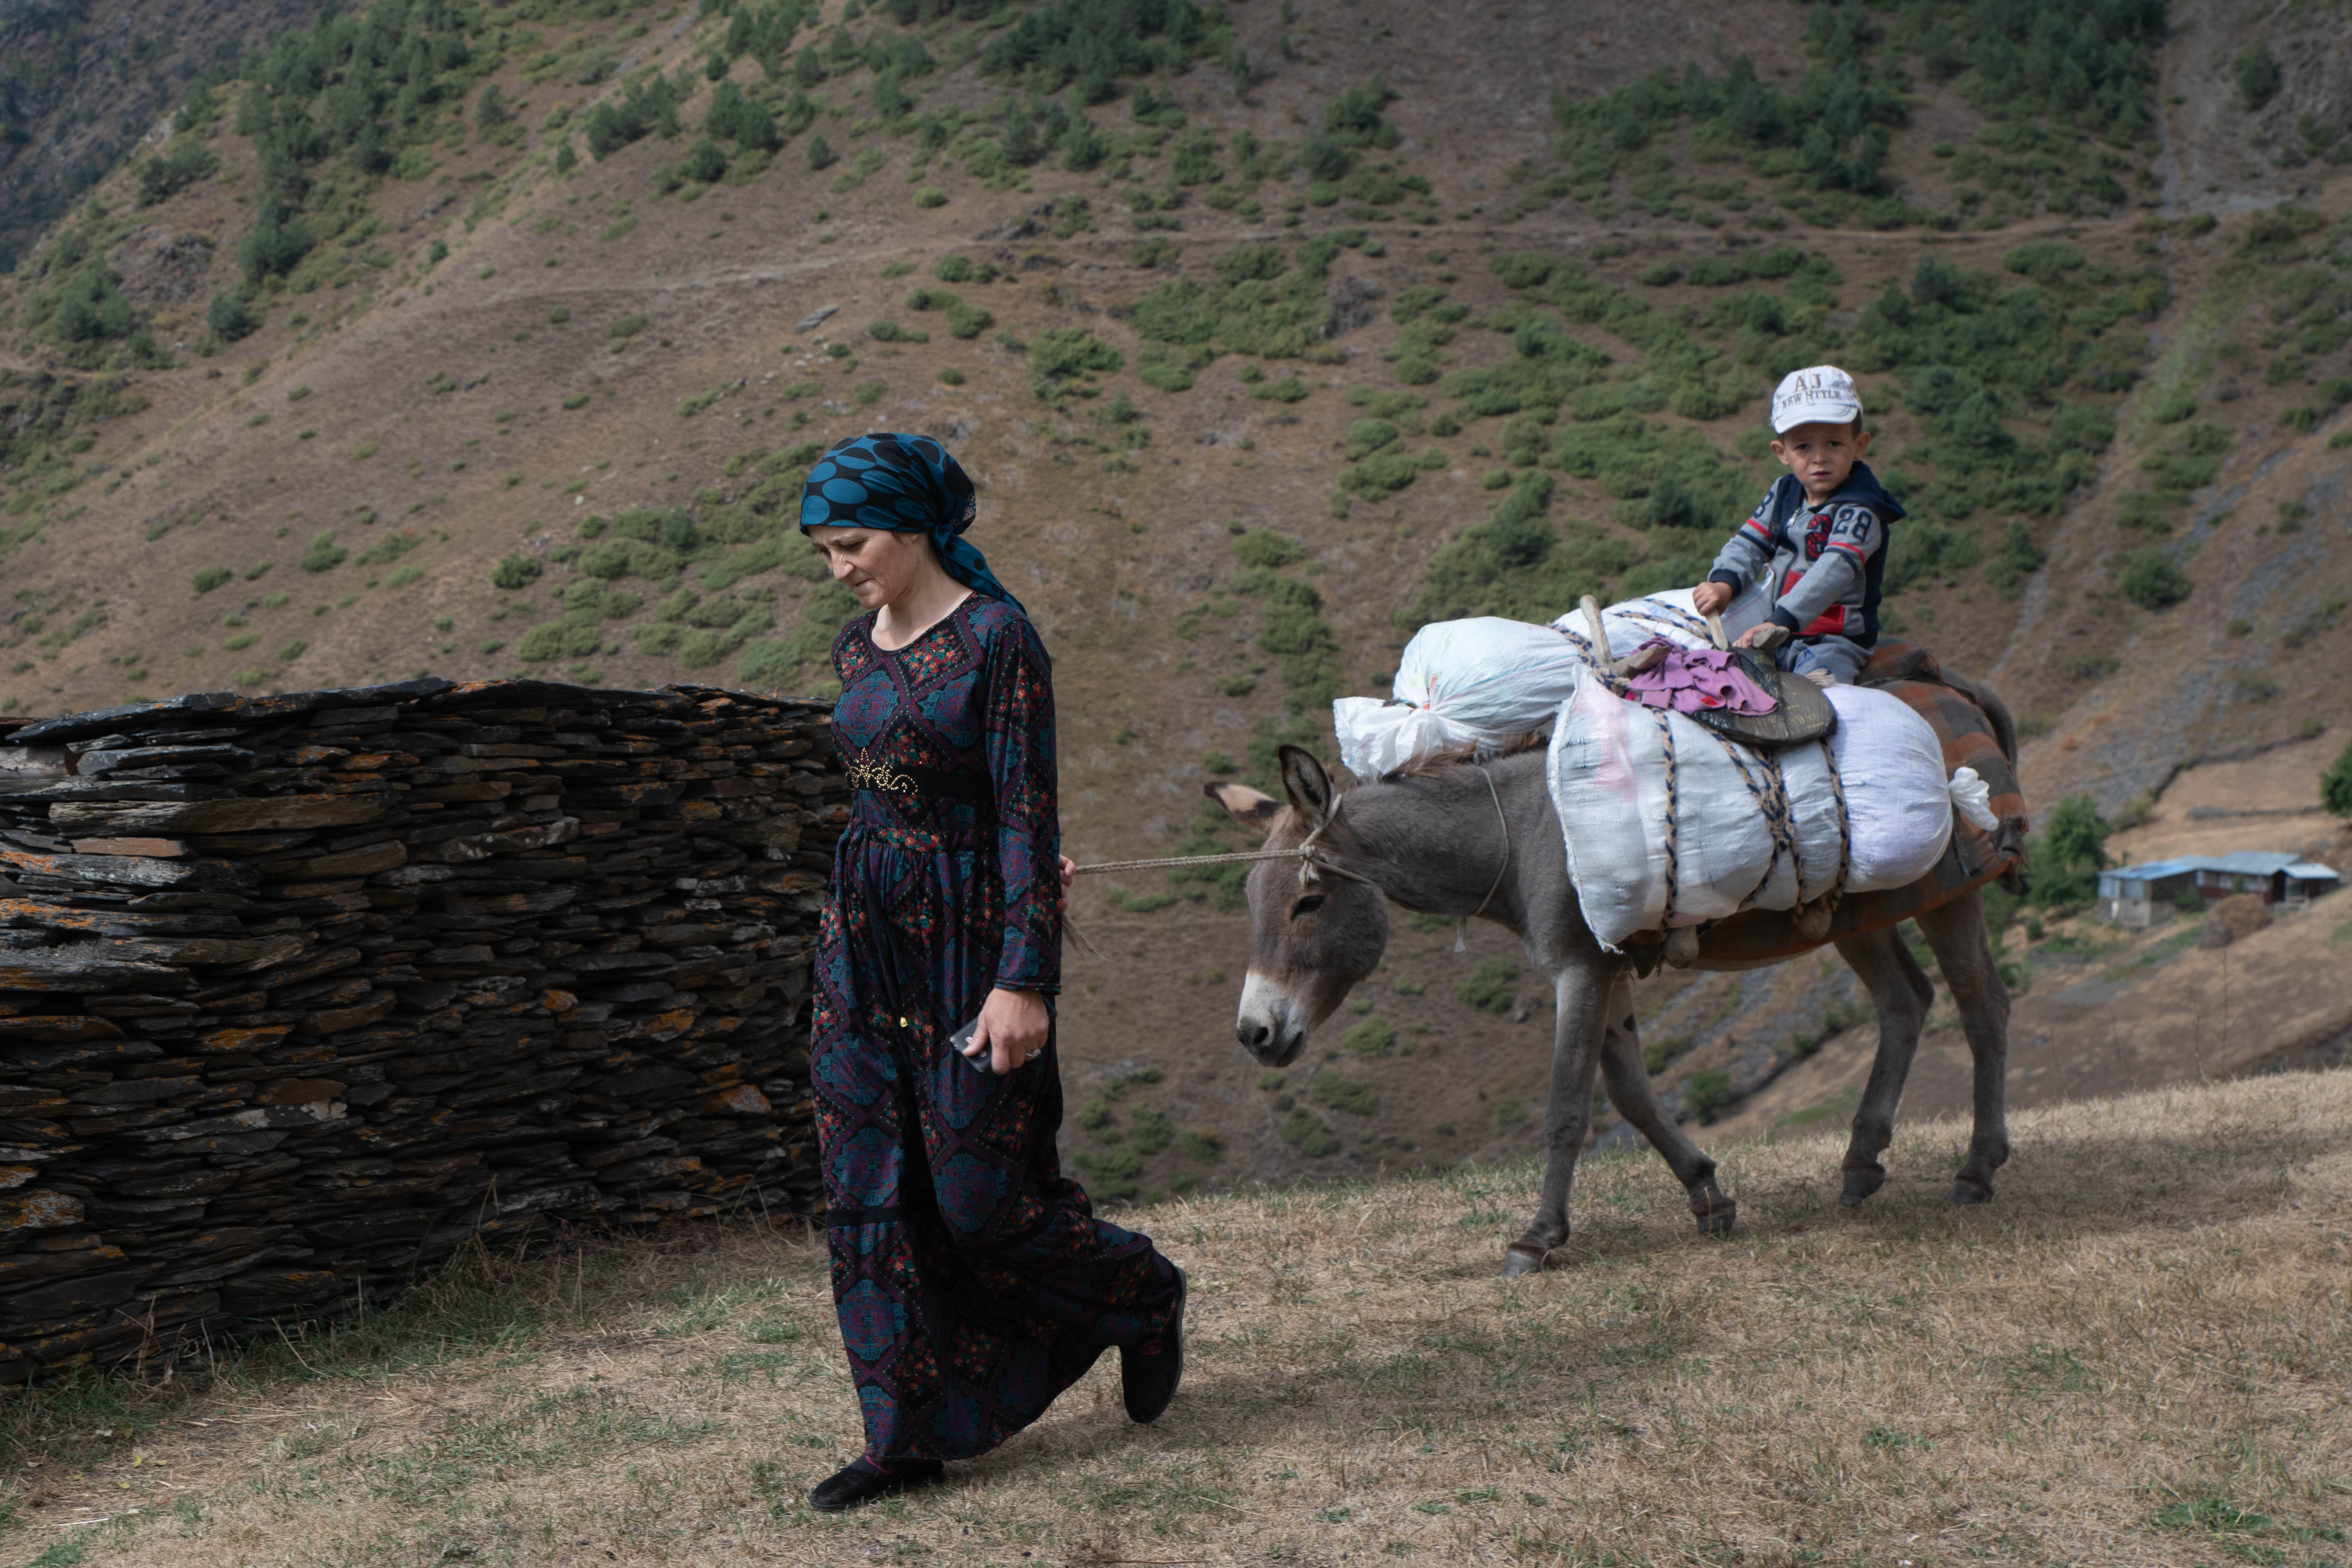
(1012, 1028)
(1709, 598)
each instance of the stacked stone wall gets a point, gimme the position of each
(300, 993)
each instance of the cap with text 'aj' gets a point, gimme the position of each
(1822, 395)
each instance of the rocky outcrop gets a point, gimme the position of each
(300, 993)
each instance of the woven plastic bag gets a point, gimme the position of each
(1747, 831)
(1482, 682)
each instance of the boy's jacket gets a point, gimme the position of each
(1825, 562)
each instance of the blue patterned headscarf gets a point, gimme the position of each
(905, 484)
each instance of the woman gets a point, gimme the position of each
(973, 1282)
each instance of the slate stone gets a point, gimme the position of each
(282, 1040)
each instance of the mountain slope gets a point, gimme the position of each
(1269, 332)
(83, 81)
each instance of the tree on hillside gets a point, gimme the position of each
(2336, 785)
(2065, 857)
(2077, 833)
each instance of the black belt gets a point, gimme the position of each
(933, 783)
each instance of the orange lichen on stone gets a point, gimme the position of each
(743, 1099)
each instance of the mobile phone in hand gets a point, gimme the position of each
(960, 1043)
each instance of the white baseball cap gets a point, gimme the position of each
(1822, 395)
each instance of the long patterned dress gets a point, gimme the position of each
(973, 1281)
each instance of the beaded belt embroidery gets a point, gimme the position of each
(880, 776)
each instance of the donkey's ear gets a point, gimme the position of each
(1308, 786)
(1253, 806)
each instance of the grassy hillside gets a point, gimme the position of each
(2134, 1355)
(487, 338)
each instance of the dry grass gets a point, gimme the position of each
(2137, 1355)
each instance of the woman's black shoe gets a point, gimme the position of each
(868, 1480)
(1149, 1373)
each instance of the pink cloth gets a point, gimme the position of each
(1695, 679)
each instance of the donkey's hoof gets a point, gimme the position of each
(1965, 1192)
(1859, 1184)
(1716, 1222)
(1520, 1260)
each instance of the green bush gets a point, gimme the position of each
(1203, 1144)
(1706, 1092)
(649, 107)
(1169, 369)
(230, 319)
(1514, 564)
(2076, 835)
(2153, 581)
(515, 571)
(1263, 547)
(1920, 548)
(737, 117)
(2258, 77)
(1280, 316)
(324, 554)
(612, 559)
(1371, 1037)
(1366, 436)
(2336, 784)
(1064, 357)
(162, 178)
(1149, 1129)
(705, 162)
(212, 577)
(1385, 472)
(1491, 986)
(2045, 260)
(1291, 627)
(1111, 1173)
(389, 547)
(1343, 1094)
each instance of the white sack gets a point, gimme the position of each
(1378, 738)
(1896, 793)
(1482, 682)
(1486, 681)
(1608, 780)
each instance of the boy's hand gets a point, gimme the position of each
(1709, 598)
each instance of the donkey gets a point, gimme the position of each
(1474, 840)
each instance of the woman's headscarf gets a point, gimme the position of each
(907, 484)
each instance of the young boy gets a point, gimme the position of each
(1818, 537)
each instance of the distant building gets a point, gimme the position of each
(2142, 895)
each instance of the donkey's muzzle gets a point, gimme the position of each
(1272, 1026)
